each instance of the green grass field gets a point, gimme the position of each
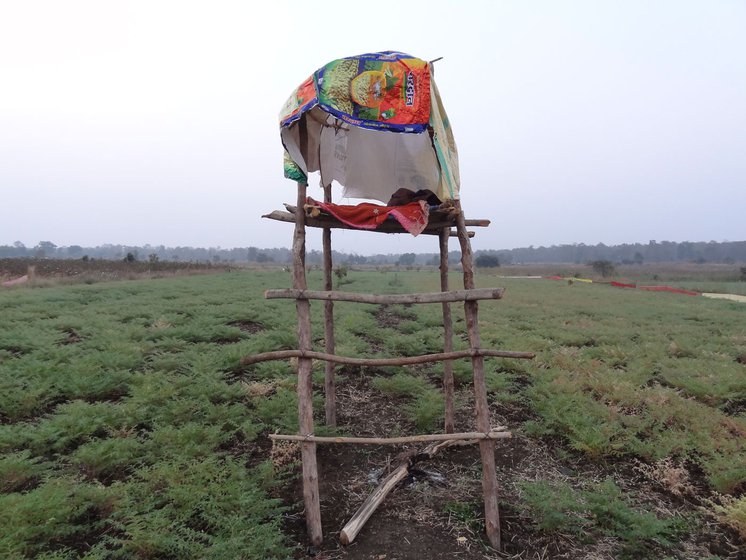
(128, 429)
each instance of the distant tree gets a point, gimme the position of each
(407, 259)
(262, 258)
(603, 267)
(74, 251)
(153, 258)
(44, 249)
(84, 258)
(638, 258)
(743, 274)
(487, 261)
(18, 250)
(130, 258)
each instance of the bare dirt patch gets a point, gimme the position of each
(248, 326)
(731, 297)
(72, 337)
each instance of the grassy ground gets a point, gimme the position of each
(128, 430)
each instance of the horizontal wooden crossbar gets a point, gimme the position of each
(495, 433)
(432, 297)
(380, 362)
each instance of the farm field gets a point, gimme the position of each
(128, 428)
(52, 272)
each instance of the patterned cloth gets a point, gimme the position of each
(381, 91)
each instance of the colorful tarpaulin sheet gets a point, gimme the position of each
(373, 123)
(380, 91)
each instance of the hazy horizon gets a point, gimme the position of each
(155, 123)
(425, 250)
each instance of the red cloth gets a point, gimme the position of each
(412, 216)
(622, 285)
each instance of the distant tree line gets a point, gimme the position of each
(578, 253)
(627, 253)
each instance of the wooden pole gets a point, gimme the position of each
(447, 332)
(330, 397)
(434, 297)
(305, 384)
(486, 447)
(495, 433)
(378, 362)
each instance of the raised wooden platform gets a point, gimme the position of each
(441, 218)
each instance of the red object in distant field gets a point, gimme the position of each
(622, 285)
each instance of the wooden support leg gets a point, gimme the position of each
(305, 382)
(448, 331)
(330, 403)
(486, 447)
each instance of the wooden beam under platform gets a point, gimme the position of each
(331, 222)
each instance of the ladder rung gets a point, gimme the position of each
(380, 362)
(433, 297)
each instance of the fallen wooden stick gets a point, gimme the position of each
(356, 523)
(379, 362)
(494, 433)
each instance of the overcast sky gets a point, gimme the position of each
(156, 122)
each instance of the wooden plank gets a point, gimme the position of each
(486, 447)
(432, 297)
(380, 362)
(305, 388)
(330, 398)
(492, 434)
(448, 385)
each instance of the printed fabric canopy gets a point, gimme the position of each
(374, 123)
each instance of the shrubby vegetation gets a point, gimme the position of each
(128, 429)
(121, 435)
